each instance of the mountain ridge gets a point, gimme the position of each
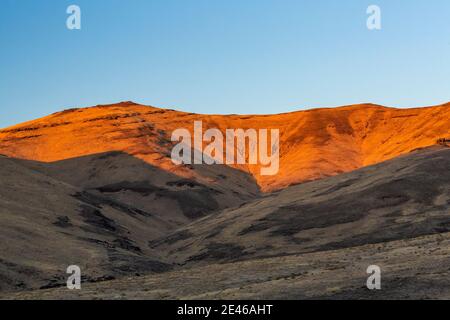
(314, 143)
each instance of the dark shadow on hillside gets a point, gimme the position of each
(107, 205)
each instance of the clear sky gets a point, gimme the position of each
(221, 56)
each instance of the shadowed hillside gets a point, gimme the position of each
(311, 241)
(403, 198)
(98, 212)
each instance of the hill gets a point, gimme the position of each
(314, 240)
(98, 212)
(313, 144)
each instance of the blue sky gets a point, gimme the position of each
(221, 56)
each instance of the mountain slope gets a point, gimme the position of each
(98, 212)
(403, 198)
(96, 187)
(313, 143)
(312, 241)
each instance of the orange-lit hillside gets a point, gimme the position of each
(314, 143)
